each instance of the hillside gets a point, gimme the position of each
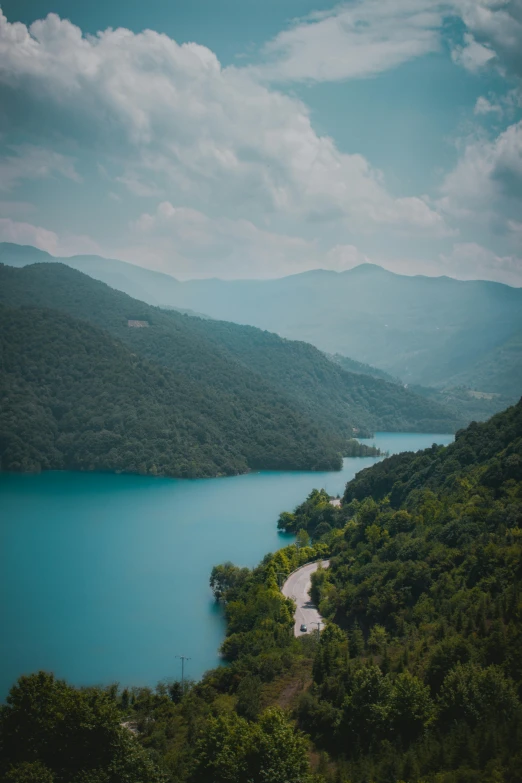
(230, 358)
(419, 668)
(428, 331)
(329, 394)
(73, 397)
(360, 368)
(499, 371)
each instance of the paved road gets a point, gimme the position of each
(297, 587)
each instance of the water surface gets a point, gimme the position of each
(104, 578)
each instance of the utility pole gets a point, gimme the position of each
(183, 659)
(318, 623)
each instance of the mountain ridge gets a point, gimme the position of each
(205, 349)
(432, 331)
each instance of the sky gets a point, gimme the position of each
(242, 139)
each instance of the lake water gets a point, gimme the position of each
(104, 578)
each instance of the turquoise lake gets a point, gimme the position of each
(104, 578)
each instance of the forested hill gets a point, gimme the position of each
(74, 397)
(231, 358)
(330, 394)
(430, 331)
(419, 670)
(478, 444)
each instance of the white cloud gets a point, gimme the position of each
(485, 106)
(353, 40)
(496, 26)
(181, 126)
(486, 184)
(29, 162)
(57, 245)
(470, 261)
(472, 55)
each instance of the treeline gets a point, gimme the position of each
(73, 397)
(419, 673)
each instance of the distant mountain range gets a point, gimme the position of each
(194, 396)
(430, 331)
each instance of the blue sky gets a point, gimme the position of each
(247, 139)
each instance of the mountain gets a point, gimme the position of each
(423, 330)
(152, 287)
(499, 370)
(428, 331)
(221, 353)
(74, 397)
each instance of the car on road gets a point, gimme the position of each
(303, 628)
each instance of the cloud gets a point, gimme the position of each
(484, 106)
(221, 247)
(30, 162)
(496, 27)
(353, 40)
(57, 245)
(470, 261)
(486, 184)
(472, 55)
(177, 124)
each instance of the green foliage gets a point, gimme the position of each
(222, 398)
(427, 569)
(73, 397)
(68, 736)
(226, 577)
(259, 618)
(28, 772)
(233, 751)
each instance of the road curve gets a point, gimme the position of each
(297, 587)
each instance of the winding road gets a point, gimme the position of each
(297, 587)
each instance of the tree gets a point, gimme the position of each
(226, 576)
(411, 707)
(69, 731)
(282, 751)
(332, 653)
(232, 750)
(366, 708)
(225, 751)
(377, 639)
(302, 538)
(356, 641)
(471, 695)
(28, 772)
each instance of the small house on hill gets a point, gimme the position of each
(138, 324)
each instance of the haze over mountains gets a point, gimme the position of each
(430, 331)
(194, 396)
